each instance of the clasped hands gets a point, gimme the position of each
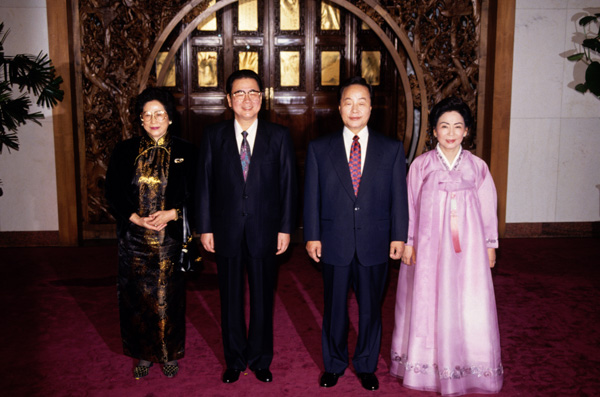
(156, 221)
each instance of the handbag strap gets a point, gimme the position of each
(186, 226)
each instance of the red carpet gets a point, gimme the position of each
(60, 332)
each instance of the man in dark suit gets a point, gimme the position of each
(246, 191)
(355, 215)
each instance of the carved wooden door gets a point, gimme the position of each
(302, 49)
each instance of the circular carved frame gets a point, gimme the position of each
(401, 67)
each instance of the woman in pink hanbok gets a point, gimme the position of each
(446, 330)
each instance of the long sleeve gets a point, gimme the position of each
(203, 186)
(288, 185)
(486, 193)
(399, 198)
(311, 197)
(414, 184)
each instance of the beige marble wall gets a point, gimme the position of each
(554, 160)
(28, 176)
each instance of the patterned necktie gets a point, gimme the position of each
(354, 164)
(245, 154)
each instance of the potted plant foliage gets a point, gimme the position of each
(33, 75)
(591, 43)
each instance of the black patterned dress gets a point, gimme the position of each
(151, 293)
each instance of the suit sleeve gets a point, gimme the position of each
(203, 186)
(399, 197)
(311, 197)
(288, 185)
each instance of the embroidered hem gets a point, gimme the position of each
(457, 372)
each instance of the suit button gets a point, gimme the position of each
(245, 196)
(356, 208)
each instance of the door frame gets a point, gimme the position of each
(499, 41)
(400, 67)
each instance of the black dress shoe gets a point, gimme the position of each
(329, 379)
(231, 375)
(264, 375)
(369, 380)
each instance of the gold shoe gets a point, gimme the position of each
(170, 370)
(141, 370)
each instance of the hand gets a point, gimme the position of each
(492, 256)
(396, 249)
(283, 242)
(208, 241)
(160, 218)
(409, 256)
(146, 222)
(314, 250)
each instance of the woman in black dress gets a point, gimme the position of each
(149, 180)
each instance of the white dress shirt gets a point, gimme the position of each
(363, 136)
(251, 135)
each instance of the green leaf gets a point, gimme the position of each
(11, 141)
(576, 57)
(585, 20)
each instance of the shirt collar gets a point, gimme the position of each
(251, 130)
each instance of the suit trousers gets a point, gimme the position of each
(368, 283)
(254, 349)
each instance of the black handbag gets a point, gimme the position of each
(189, 259)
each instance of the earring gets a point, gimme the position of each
(170, 122)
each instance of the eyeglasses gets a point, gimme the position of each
(159, 115)
(241, 95)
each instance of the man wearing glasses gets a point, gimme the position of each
(246, 195)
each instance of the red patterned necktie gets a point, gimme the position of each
(245, 154)
(354, 164)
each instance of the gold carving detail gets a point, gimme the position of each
(370, 66)
(248, 15)
(171, 80)
(290, 14)
(330, 68)
(249, 60)
(290, 68)
(330, 17)
(207, 69)
(210, 23)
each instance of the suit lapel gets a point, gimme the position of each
(229, 146)
(340, 163)
(372, 162)
(259, 151)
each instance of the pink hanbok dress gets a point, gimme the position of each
(446, 330)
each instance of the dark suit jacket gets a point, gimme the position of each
(121, 192)
(346, 224)
(260, 207)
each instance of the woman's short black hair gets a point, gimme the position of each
(352, 81)
(155, 94)
(242, 74)
(450, 104)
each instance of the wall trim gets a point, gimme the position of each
(46, 238)
(553, 229)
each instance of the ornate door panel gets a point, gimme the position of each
(302, 49)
